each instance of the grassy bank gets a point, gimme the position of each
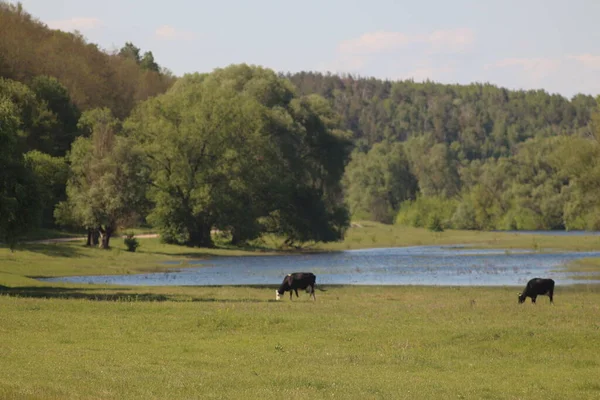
(73, 258)
(352, 343)
(371, 234)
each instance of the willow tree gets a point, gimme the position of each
(106, 188)
(235, 150)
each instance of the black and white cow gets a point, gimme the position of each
(537, 287)
(297, 280)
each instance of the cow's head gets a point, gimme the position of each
(277, 295)
(522, 297)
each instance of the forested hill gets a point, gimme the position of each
(466, 156)
(478, 120)
(92, 77)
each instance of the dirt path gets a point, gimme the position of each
(83, 238)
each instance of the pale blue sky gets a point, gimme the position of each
(519, 44)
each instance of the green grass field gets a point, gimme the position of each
(352, 343)
(63, 341)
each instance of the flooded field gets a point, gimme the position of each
(420, 265)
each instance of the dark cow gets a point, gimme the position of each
(298, 280)
(535, 287)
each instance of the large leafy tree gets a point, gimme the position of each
(19, 197)
(51, 174)
(311, 206)
(106, 189)
(197, 142)
(234, 150)
(35, 123)
(377, 182)
(64, 116)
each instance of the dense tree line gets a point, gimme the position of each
(477, 120)
(470, 157)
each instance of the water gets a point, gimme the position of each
(421, 265)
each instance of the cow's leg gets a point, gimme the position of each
(551, 295)
(312, 292)
(291, 293)
(533, 299)
(296, 290)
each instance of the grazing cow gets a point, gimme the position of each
(295, 281)
(535, 287)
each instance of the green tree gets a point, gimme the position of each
(234, 150)
(196, 141)
(19, 197)
(130, 51)
(435, 167)
(147, 62)
(106, 188)
(379, 181)
(56, 99)
(315, 154)
(578, 160)
(35, 122)
(51, 174)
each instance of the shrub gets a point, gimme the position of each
(131, 242)
(427, 212)
(435, 223)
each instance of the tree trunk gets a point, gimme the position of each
(92, 237)
(236, 238)
(200, 235)
(206, 229)
(95, 237)
(105, 235)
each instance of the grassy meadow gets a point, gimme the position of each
(352, 343)
(64, 341)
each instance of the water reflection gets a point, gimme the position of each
(420, 265)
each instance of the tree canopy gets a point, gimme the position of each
(236, 150)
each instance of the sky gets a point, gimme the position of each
(518, 44)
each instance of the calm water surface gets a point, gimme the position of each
(421, 265)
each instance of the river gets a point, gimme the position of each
(418, 265)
